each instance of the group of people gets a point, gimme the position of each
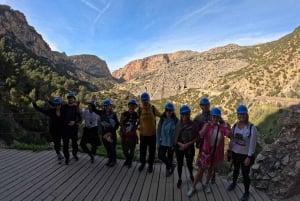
(171, 135)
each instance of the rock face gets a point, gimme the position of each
(91, 65)
(13, 23)
(146, 65)
(277, 167)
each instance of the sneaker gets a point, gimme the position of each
(112, 163)
(129, 164)
(245, 197)
(108, 162)
(179, 182)
(231, 187)
(141, 167)
(67, 161)
(207, 188)
(213, 179)
(190, 192)
(150, 168)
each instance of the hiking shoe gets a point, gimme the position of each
(129, 164)
(150, 168)
(190, 192)
(141, 167)
(111, 163)
(92, 158)
(245, 197)
(125, 163)
(67, 161)
(207, 188)
(60, 157)
(213, 179)
(231, 187)
(108, 162)
(179, 182)
(76, 157)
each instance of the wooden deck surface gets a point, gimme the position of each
(27, 175)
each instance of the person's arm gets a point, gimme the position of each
(157, 113)
(158, 133)
(44, 111)
(117, 123)
(253, 140)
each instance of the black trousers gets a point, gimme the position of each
(70, 132)
(56, 137)
(189, 154)
(128, 147)
(238, 163)
(90, 135)
(165, 154)
(111, 148)
(147, 142)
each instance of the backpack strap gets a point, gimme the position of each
(250, 129)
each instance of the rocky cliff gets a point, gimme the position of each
(13, 23)
(91, 65)
(277, 167)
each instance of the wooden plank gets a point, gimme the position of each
(154, 185)
(23, 182)
(161, 183)
(59, 180)
(177, 192)
(14, 160)
(106, 192)
(126, 186)
(139, 187)
(146, 183)
(80, 187)
(170, 187)
(21, 175)
(68, 187)
(102, 182)
(94, 182)
(223, 189)
(232, 195)
(216, 191)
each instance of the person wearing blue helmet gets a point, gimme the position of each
(212, 153)
(128, 127)
(185, 135)
(71, 115)
(147, 114)
(90, 131)
(109, 124)
(55, 124)
(242, 147)
(164, 138)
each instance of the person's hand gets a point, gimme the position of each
(247, 161)
(71, 123)
(77, 102)
(46, 98)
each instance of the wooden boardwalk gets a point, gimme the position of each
(27, 175)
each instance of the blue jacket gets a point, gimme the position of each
(165, 131)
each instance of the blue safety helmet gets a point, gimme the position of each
(169, 106)
(241, 109)
(204, 101)
(106, 102)
(145, 96)
(132, 102)
(71, 95)
(57, 101)
(215, 112)
(185, 109)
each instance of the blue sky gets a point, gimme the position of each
(119, 31)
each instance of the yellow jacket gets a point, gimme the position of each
(147, 119)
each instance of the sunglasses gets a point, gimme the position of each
(185, 114)
(214, 116)
(204, 104)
